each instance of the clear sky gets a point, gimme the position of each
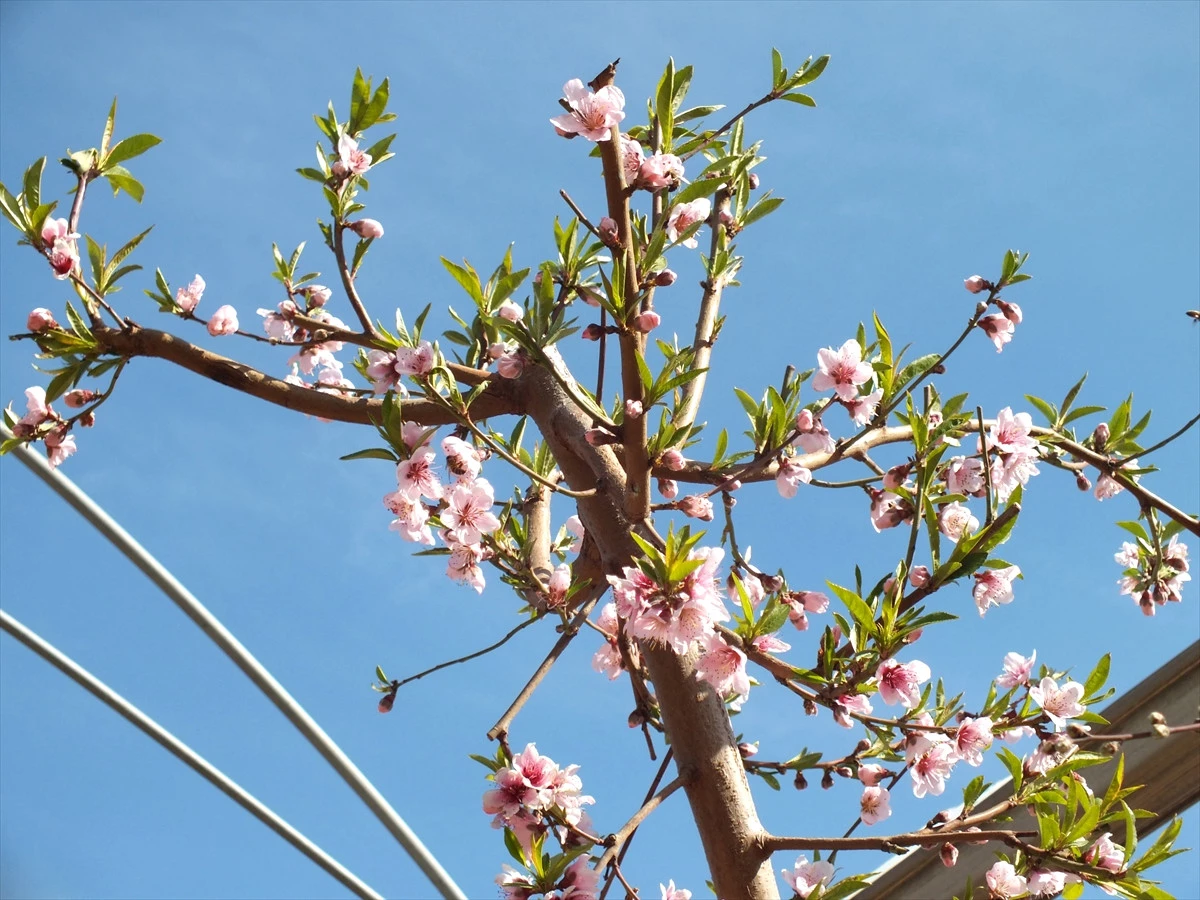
(944, 134)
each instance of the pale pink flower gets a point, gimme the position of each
(188, 298)
(1011, 311)
(63, 253)
(462, 459)
(79, 398)
(790, 476)
(1104, 854)
(998, 328)
(668, 487)
(1107, 486)
(592, 114)
(415, 435)
(514, 885)
(223, 321)
(964, 475)
(1044, 883)
(993, 587)
(931, 769)
(975, 284)
(560, 583)
(888, 510)
(278, 325)
(633, 409)
(417, 361)
(919, 576)
(684, 216)
(468, 515)
(367, 229)
(871, 774)
(813, 601)
(417, 478)
(670, 892)
(843, 706)
(1128, 555)
(812, 436)
(770, 643)
(662, 170)
(696, 507)
(724, 667)
(874, 806)
(511, 311)
(318, 295)
(580, 881)
(862, 409)
(1011, 469)
(37, 410)
(40, 319)
(917, 742)
(956, 521)
(575, 527)
(1016, 735)
(842, 370)
(972, 738)
(353, 160)
(510, 365)
(631, 159)
(900, 683)
(804, 876)
(59, 446)
(1011, 433)
(1003, 881)
(1058, 703)
(463, 565)
(1017, 670)
(672, 459)
(646, 322)
(381, 369)
(412, 518)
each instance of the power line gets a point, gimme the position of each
(245, 660)
(176, 747)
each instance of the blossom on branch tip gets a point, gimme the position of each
(843, 706)
(804, 876)
(1017, 670)
(993, 587)
(223, 321)
(415, 361)
(575, 527)
(559, 584)
(874, 806)
(999, 329)
(40, 319)
(592, 115)
(842, 370)
(188, 298)
(1104, 854)
(975, 284)
(662, 170)
(62, 251)
(317, 294)
(353, 160)
(684, 216)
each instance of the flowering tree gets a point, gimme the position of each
(689, 613)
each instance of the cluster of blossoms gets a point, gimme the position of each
(1003, 882)
(804, 877)
(385, 368)
(60, 247)
(531, 789)
(844, 371)
(660, 171)
(579, 882)
(999, 327)
(1152, 579)
(1016, 452)
(223, 321)
(40, 420)
(464, 508)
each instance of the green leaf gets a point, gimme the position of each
(771, 780)
(106, 139)
(802, 99)
(13, 211)
(696, 112)
(1012, 762)
(128, 248)
(121, 180)
(373, 453)
(858, 609)
(1099, 675)
(134, 145)
(1049, 413)
(778, 72)
(33, 184)
(916, 369)
(763, 207)
(467, 277)
(811, 73)
(1073, 393)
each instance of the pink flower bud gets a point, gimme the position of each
(318, 294)
(665, 278)
(223, 321)
(725, 217)
(753, 181)
(696, 507)
(913, 636)
(804, 421)
(1100, 436)
(368, 229)
(827, 780)
(510, 311)
(510, 365)
(870, 774)
(40, 320)
(747, 750)
(672, 459)
(592, 333)
(975, 284)
(385, 705)
(633, 409)
(608, 231)
(88, 419)
(668, 488)
(1081, 482)
(895, 475)
(919, 576)
(646, 322)
(79, 397)
(800, 781)
(1011, 311)
(598, 437)
(949, 855)
(731, 485)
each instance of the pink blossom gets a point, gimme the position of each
(1011, 311)
(1128, 556)
(1012, 433)
(662, 170)
(415, 361)
(223, 321)
(975, 284)
(592, 115)
(874, 806)
(1003, 881)
(842, 370)
(1012, 469)
(724, 668)
(381, 369)
(949, 855)
(1058, 703)
(188, 298)
(888, 510)
(468, 515)
(510, 365)
(1107, 486)
(684, 216)
(917, 742)
(964, 475)
(353, 160)
(318, 295)
(900, 683)
(40, 319)
(646, 322)
(514, 885)
(463, 564)
(412, 518)
(931, 769)
(862, 409)
(871, 774)
(462, 459)
(580, 881)
(670, 892)
(633, 409)
(63, 253)
(575, 527)
(813, 601)
(367, 229)
(278, 325)
(843, 706)
(998, 328)
(896, 476)
(993, 587)
(560, 583)
(417, 478)
(676, 614)
(770, 643)
(668, 487)
(804, 876)
(1044, 883)
(696, 507)
(812, 436)
(919, 576)
(972, 738)
(511, 311)
(1016, 670)
(790, 476)
(956, 521)
(59, 446)
(1104, 854)
(631, 159)
(78, 398)
(673, 460)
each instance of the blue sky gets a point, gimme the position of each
(945, 134)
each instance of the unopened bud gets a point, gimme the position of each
(1011, 311)
(1077, 731)
(747, 750)
(975, 284)
(862, 746)
(753, 181)
(895, 476)
(1081, 482)
(665, 278)
(598, 437)
(771, 583)
(637, 719)
(593, 332)
(633, 409)
(725, 217)
(1157, 718)
(1100, 436)
(40, 319)
(77, 398)
(949, 855)
(673, 460)
(385, 705)
(844, 771)
(913, 636)
(1111, 748)
(919, 576)
(88, 419)
(646, 322)
(608, 231)
(827, 780)
(668, 487)
(800, 781)
(810, 707)
(368, 229)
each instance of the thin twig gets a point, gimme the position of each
(987, 467)
(360, 310)
(1167, 440)
(620, 837)
(579, 214)
(470, 656)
